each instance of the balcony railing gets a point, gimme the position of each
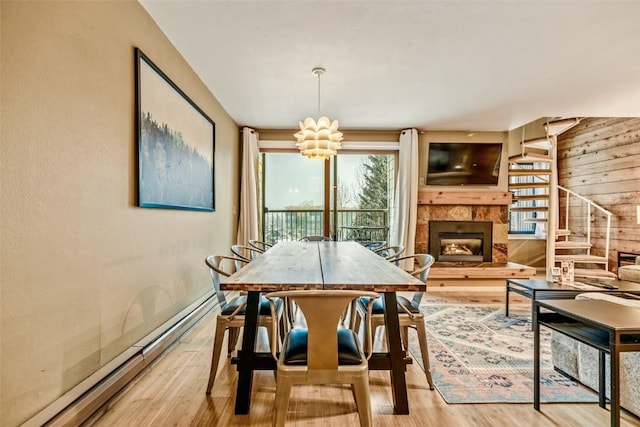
(362, 225)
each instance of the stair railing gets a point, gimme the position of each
(590, 208)
(553, 205)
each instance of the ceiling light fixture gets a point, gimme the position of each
(319, 140)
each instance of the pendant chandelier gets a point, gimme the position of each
(318, 140)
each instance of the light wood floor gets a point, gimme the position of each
(172, 393)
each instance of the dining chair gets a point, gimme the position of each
(409, 314)
(375, 244)
(315, 239)
(389, 252)
(232, 314)
(246, 252)
(323, 352)
(255, 249)
(260, 245)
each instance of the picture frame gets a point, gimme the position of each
(175, 144)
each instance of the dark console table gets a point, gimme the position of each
(539, 289)
(608, 327)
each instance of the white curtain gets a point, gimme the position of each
(405, 201)
(248, 220)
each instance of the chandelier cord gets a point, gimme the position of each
(318, 74)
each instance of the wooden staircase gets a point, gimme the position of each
(532, 176)
(579, 250)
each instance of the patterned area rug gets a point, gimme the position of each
(478, 355)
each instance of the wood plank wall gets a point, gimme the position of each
(600, 159)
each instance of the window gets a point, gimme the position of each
(363, 196)
(293, 197)
(348, 198)
(532, 193)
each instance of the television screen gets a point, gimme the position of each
(463, 163)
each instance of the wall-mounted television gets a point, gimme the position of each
(463, 163)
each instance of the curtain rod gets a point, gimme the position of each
(370, 131)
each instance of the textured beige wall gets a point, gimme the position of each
(84, 273)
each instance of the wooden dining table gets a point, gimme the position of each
(327, 266)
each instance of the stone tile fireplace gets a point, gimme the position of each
(461, 241)
(455, 206)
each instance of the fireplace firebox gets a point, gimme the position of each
(461, 241)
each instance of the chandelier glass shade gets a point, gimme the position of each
(321, 139)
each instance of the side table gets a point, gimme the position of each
(540, 289)
(606, 326)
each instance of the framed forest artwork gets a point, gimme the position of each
(175, 141)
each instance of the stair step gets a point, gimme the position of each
(528, 172)
(535, 220)
(525, 185)
(524, 197)
(530, 209)
(528, 157)
(569, 244)
(556, 127)
(594, 272)
(540, 143)
(587, 259)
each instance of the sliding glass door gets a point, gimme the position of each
(362, 197)
(347, 198)
(293, 197)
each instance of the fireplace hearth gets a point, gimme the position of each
(461, 241)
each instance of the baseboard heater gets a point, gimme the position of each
(81, 402)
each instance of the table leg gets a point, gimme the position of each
(533, 305)
(615, 382)
(536, 356)
(246, 355)
(506, 305)
(602, 392)
(394, 343)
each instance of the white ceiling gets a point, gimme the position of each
(432, 65)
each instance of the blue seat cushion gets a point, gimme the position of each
(295, 348)
(378, 305)
(234, 303)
